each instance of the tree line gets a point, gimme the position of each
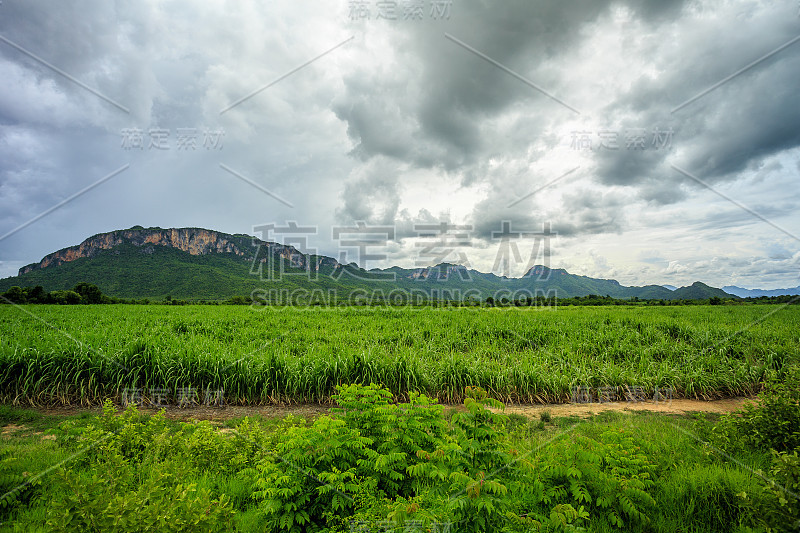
(82, 293)
(88, 293)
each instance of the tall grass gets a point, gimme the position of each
(82, 354)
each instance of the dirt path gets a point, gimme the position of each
(221, 414)
(680, 406)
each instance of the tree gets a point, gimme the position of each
(66, 297)
(91, 294)
(36, 295)
(15, 295)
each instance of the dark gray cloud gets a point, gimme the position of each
(403, 125)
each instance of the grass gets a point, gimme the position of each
(694, 490)
(68, 355)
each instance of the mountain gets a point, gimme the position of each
(197, 263)
(188, 263)
(699, 291)
(755, 293)
(670, 287)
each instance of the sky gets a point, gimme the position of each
(648, 141)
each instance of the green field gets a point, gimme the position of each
(83, 354)
(376, 464)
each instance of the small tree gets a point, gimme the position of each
(91, 294)
(15, 295)
(65, 297)
(35, 295)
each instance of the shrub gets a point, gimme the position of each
(160, 503)
(771, 423)
(129, 476)
(608, 478)
(779, 505)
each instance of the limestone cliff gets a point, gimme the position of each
(195, 241)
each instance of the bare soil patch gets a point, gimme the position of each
(11, 429)
(221, 414)
(678, 406)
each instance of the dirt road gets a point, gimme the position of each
(679, 406)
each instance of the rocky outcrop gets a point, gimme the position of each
(441, 272)
(195, 241)
(542, 272)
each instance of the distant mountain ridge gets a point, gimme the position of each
(755, 293)
(197, 263)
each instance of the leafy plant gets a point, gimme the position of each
(15, 487)
(773, 422)
(609, 478)
(778, 507)
(160, 503)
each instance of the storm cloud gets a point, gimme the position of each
(658, 139)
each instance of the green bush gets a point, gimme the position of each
(376, 463)
(771, 423)
(159, 503)
(129, 476)
(778, 507)
(317, 476)
(608, 479)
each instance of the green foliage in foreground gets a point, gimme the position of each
(83, 354)
(772, 423)
(376, 465)
(136, 480)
